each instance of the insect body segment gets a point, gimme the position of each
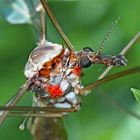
(40, 57)
(56, 76)
(56, 73)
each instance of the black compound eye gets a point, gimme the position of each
(87, 49)
(85, 62)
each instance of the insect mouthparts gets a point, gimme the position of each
(120, 60)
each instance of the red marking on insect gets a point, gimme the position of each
(77, 71)
(55, 91)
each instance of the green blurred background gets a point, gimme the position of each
(85, 22)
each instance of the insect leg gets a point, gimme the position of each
(108, 98)
(14, 100)
(56, 24)
(36, 109)
(42, 115)
(111, 77)
(118, 106)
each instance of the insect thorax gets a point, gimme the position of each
(56, 76)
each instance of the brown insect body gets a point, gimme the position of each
(56, 72)
(55, 81)
(48, 129)
(64, 67)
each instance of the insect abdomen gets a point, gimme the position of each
(48, 129)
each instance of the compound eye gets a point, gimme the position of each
(87, 49)
(85, 62)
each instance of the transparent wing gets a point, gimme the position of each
(17, 11)
(20, 11)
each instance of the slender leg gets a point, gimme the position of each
(52, 115)
(38, 109)
(109, 78)
(56, 24)
(14, 100)
(117, 105)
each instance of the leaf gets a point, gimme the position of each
(136, 94)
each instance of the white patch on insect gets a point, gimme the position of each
(62, 99)
(65, 86)
(55, 80)
(67, 71)
(74, 80)
(71, 97)
(41, 55)
(62, 105)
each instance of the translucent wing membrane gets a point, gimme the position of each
(17, 11)
(21, 12)
(25, 11)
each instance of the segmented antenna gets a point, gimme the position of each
(114, 23)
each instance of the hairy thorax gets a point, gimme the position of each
(56, 76)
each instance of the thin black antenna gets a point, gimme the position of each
(114, 23)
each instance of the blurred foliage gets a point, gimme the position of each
(136, 93)
(85, 22)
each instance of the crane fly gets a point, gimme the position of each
(53, 73)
